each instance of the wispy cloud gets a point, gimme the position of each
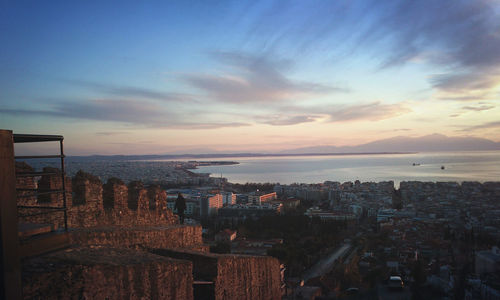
(294, 114)
(487, 125)
(111, 133)
(285, 120)
(128, 92)
(128, 111)
(374, 111)
(214, 125)
(469, 85)
(478, 108)
(255, 79)
(134, 112)
(459, 36)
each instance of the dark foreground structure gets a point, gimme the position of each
(79, 238)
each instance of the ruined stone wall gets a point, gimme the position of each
(54, 182)
(31, 198)
(175, 236)
(25, 198)
(115, 204)
(123, 217)
(233, 276)
(106, 273)
(247, 277)
(92, 204)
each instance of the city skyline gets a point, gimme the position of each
(159, 77)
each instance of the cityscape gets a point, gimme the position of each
(441, 235)
(253, 149)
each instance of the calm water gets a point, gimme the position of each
(459, 166)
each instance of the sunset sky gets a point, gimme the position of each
(145, 77)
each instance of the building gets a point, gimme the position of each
(488, 261)
(226, 235)
(241, 198)
(243, 211)
(260, 197)
(290, 203)
(328, 215)
(210, 205)
(228, 198)
(385, 214)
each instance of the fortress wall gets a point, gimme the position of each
(91, 204)
(233, 276)
(124, 217)
(26, 183)
(174, 236)
(247, 277)
(106, 273)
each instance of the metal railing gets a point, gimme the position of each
(34, 138)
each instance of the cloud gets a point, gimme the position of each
(127, 111)
(478, 108)
(458, 36)
(208, 125)
(255, 79)
(284, 120)
(123, 111)
(468, 85)
(465, 34)
(487, 125)
(133, 91)
(110, 133)
(374, 111)
(464, 82)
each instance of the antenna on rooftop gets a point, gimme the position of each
(221, 186)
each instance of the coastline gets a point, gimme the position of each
(229, 155)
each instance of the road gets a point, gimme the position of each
(324, 265)
(384, 292)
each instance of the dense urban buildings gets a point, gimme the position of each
(447, 230)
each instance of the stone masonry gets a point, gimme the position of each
(106, 273)
(113, 228)
(233, 276)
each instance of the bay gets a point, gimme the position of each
(458, 166)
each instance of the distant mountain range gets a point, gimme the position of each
(428, 143)
(399, 144)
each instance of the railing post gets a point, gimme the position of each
(63, 177)
(11, 287)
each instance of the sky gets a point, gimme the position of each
(154, 77)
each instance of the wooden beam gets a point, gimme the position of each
(11, 265)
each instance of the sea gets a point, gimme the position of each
(479, 166)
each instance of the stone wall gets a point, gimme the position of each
(25, 198)
(174, 236)
(106, 273)
(125, 217)
(233, 276)
(92, 204)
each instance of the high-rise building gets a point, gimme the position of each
(210, 204)
(259, 197)
(228, 198)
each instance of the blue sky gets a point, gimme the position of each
(200, 76)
